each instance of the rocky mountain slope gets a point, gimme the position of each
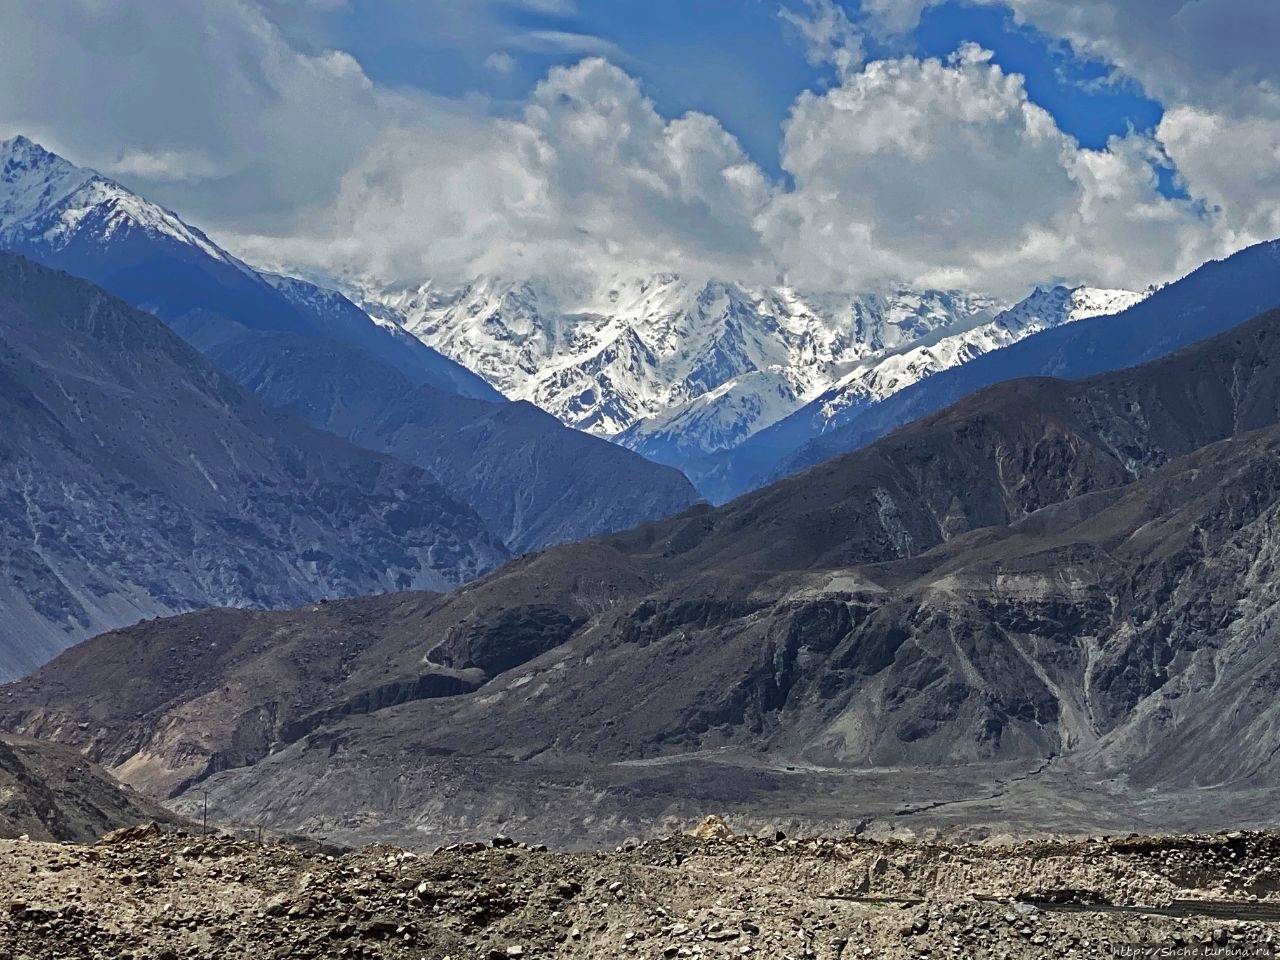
(533, 481)
(1213, 298)
(1049, 573)
(50, 792)
(207, 898)
(314, 352)
(137, 480)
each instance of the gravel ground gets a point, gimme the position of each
(144, 895)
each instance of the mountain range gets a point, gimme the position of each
(679, 369)
(137, 480)
(311, 350)
(1212, 298)
(1068, 575)
(966, 554)
(723, 381)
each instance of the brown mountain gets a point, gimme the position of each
(50, 792)
(1079, 574)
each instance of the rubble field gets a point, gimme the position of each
(143, 894)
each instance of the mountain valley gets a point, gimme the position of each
(1050, 576)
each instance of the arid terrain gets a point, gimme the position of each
(144, 895)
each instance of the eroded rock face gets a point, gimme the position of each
(136, 480)
(49, 792)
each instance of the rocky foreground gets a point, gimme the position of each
(142, 894)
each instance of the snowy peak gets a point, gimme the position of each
(896, 370)
(1046, 308)
(74, 219)
(48, 201)
(710, 360)
(678, 368)
(33, 181)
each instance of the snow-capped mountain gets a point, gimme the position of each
(718, 361)
(677, 369)
(313, 352)
(723, 418)
(890, 372)
(72, 218)
(48, 201)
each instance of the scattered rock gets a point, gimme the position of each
(711, 828)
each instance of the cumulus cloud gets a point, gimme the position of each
(947, 173)
(589, 179)
(1213, 67)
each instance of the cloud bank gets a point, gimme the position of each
(933, 171)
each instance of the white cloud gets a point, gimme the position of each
(274, 128)
(947, 173)
(558, 7)
(500, 62)
(828, 34)
(1211, 64)
(563, 42)
(894, 16)
(590, 178)
(163, 165)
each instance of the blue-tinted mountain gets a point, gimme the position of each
(138, 480)
(533, 480)
(76, 220)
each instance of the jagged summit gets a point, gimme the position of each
(47, 200)
(678, 368)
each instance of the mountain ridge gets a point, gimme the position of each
(1023, 577)
(534, 481)
(1209, 300)
(73, 218)
(680, 370)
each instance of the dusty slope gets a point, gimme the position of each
(819, 899)
(50, 792)
(1127, 639)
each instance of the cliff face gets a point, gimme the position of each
(50, 792)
